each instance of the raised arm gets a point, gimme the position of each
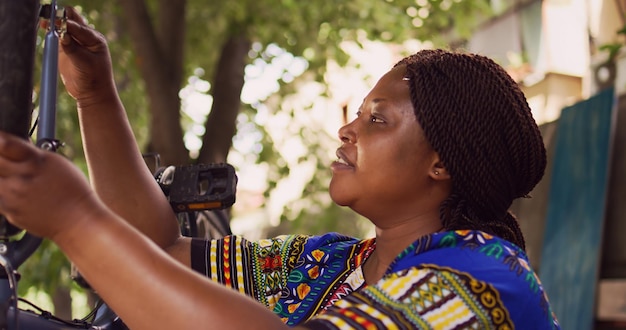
(116, 167)
(147, 288)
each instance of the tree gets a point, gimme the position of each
(161, 43)
(172, 38)
(157, 45)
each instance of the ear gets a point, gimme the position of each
(438, 170)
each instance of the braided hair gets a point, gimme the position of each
(477, 119)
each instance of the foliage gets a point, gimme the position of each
(315, 30)
(46, 269)
(316, 33)
(614, 48)
(310, 30)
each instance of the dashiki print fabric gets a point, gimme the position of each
(450, 280)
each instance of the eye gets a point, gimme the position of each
(374, 119)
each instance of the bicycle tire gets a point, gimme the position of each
(213, 224)
(18, 28)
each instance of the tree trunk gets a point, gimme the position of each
(166, 135)
(229, 79)
(62, 301)
(160, 60)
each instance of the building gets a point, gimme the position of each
(564, 53)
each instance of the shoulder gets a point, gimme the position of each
(428, 297)
(470, 251)
(485, 267)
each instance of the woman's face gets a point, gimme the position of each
(384, 163)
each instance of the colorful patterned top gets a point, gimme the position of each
(451, 280)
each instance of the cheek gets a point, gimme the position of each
(396, 156)
(407, 167)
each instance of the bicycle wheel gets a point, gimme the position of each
(18, 28)
(213, 224)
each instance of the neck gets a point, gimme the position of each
(393, 240)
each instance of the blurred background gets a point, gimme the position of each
(265, 84)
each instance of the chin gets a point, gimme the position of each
(339, 198)
(339, 201)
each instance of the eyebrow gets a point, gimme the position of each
(375, 101)
(378, 100)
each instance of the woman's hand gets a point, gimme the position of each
(85, 62)
(40, 191)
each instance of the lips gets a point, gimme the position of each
(342, 159)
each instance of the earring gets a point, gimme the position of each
(436, 172)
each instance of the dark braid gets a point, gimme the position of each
(477, 118)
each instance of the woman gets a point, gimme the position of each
(441, 146)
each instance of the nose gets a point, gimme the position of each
(347, 133)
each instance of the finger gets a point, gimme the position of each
(4, 195)
(81, 36)
(9, 199)
(15, 149)
(68, 44)
(44, 24)
(77, 27)
(73, 15)
(70, 14)
(8, 168)
(15, 188)
(25, 169)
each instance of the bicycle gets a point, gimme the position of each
(198, 193)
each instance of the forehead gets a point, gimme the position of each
(391, 87)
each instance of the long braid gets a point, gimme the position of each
(477, 118)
